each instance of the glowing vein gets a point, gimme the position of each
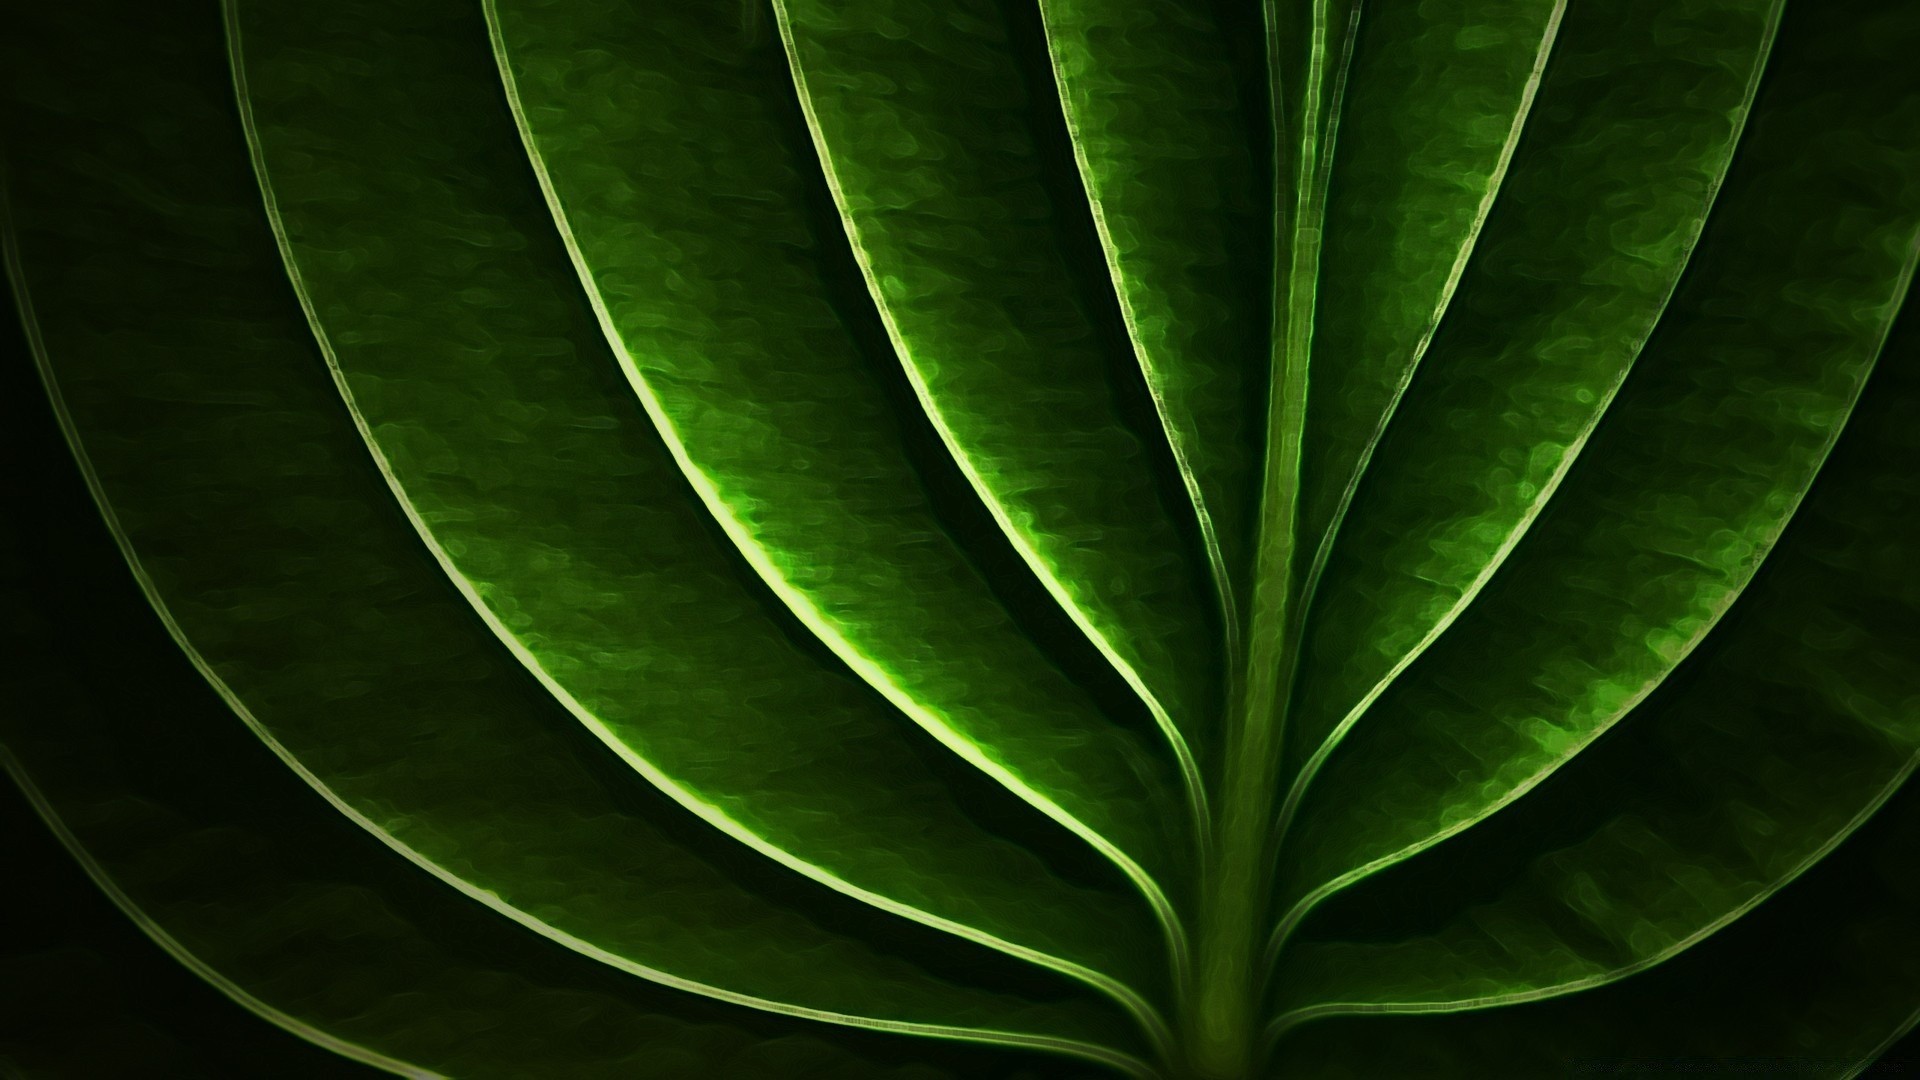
(707, 811)
(1495, 181)
(485, 897)
(1301, 1015)
(174, 947)
(1903, 283)
(1548, 489)
(1143, 881)
(1177, 442)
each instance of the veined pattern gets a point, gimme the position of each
(1308, 538)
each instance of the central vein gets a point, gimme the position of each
(1225, 1002)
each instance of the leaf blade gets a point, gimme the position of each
(196, 389)
(1601, 302)
(1730, 414)
(954, 275)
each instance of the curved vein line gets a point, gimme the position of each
(1322, 185)
(714, 815)
(1496, 180)
(1336, 108)
(1261, 715)
(1903, 284)
(486, 897)
(175, 948)
(1873, 1055)
(1297, 1016)
(1551, 487)
(1296, 248)
(1155, 378)
(1001, 516)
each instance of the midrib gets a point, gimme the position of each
(1221, 1010)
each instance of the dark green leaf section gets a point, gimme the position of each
(1639, 110)
(320, 951)
(940, 133)
(1816, 983)
(229, 859)
(84, 992)
(682, 179)
(244, 494)
(1706, 455)
(1772, 744)
(1167, 107)
(452, 314)
(1436, 103)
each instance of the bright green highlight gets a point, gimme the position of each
(1193, 540)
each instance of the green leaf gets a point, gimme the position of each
(1705, 457)
(1747, 770)
(257, 548)
(294, 910)
(581, 511)
(1568, 284)
(1196, 540)
(1819, 981)
(1163, 105)
(934, 128)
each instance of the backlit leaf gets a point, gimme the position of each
(1325, 538)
